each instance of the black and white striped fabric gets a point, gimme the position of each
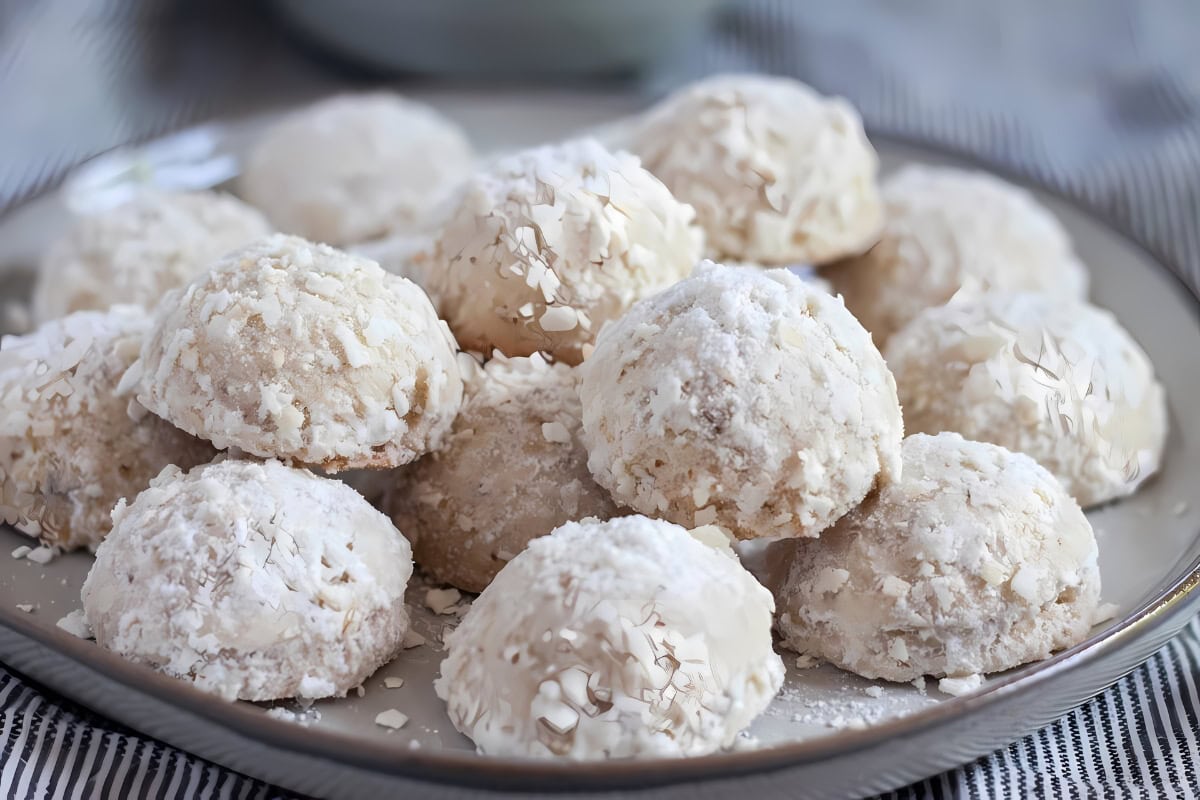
(1099, 101)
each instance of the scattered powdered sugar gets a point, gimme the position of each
(304, 717)
(26, 607)
(1105, 612)
(962, 685)
(76, 624)
(442, 601)
(42, 555)
(392, 718)
(393, 682)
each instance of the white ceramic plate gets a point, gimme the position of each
(825, 736)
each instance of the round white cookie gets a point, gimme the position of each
(949, 231)
(1056, 379)
(975, 561)
(254, 581)
(355, 167)
(744, 398)
(136, 252)
(631, 637)
(549, 244)
(297, 351)
(776, 172)
(70, 445)
(512, 469)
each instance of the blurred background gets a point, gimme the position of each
(1065, 88)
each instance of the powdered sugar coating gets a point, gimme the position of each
(631, 637)
(301, 352)
(743, 398)
(776, 172)
(1056, 379)
(136, 252)
(952, 231)
(70, 445)
(252, 580)
(399, 255)
(512, 469)
(975, 561)
(355, 167)
(549, 244)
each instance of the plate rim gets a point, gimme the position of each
(471, 769)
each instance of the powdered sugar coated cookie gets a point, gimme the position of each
(255, 581)
(743, 398)
(70, 445)
(632, 637)
(975, 561)
(302, 352)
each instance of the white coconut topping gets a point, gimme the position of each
(253, 580)
(990, 565)
(741, 397)
(136, 252)
(948, 231)
(777, 173)
(512, 469)
(70, 446)
(611, 640)
(549, 244)
(1057, 379)
(298, 351)
(399, 254)
(392, 718)
(356, 167)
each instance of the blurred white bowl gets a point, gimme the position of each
(507, 38)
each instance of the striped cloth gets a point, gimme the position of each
(1101, 102)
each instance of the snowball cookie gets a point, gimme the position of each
(511, 470)
(70, 446)
(549, 244)
(631, 637)
(776, 172)
(975, 561)
(255, 581)
(806, 274)
(397, 254)
(136, 252)
(1056, 379)
(355, 167)
(744, 398)
(297, 351)
(948, 230)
